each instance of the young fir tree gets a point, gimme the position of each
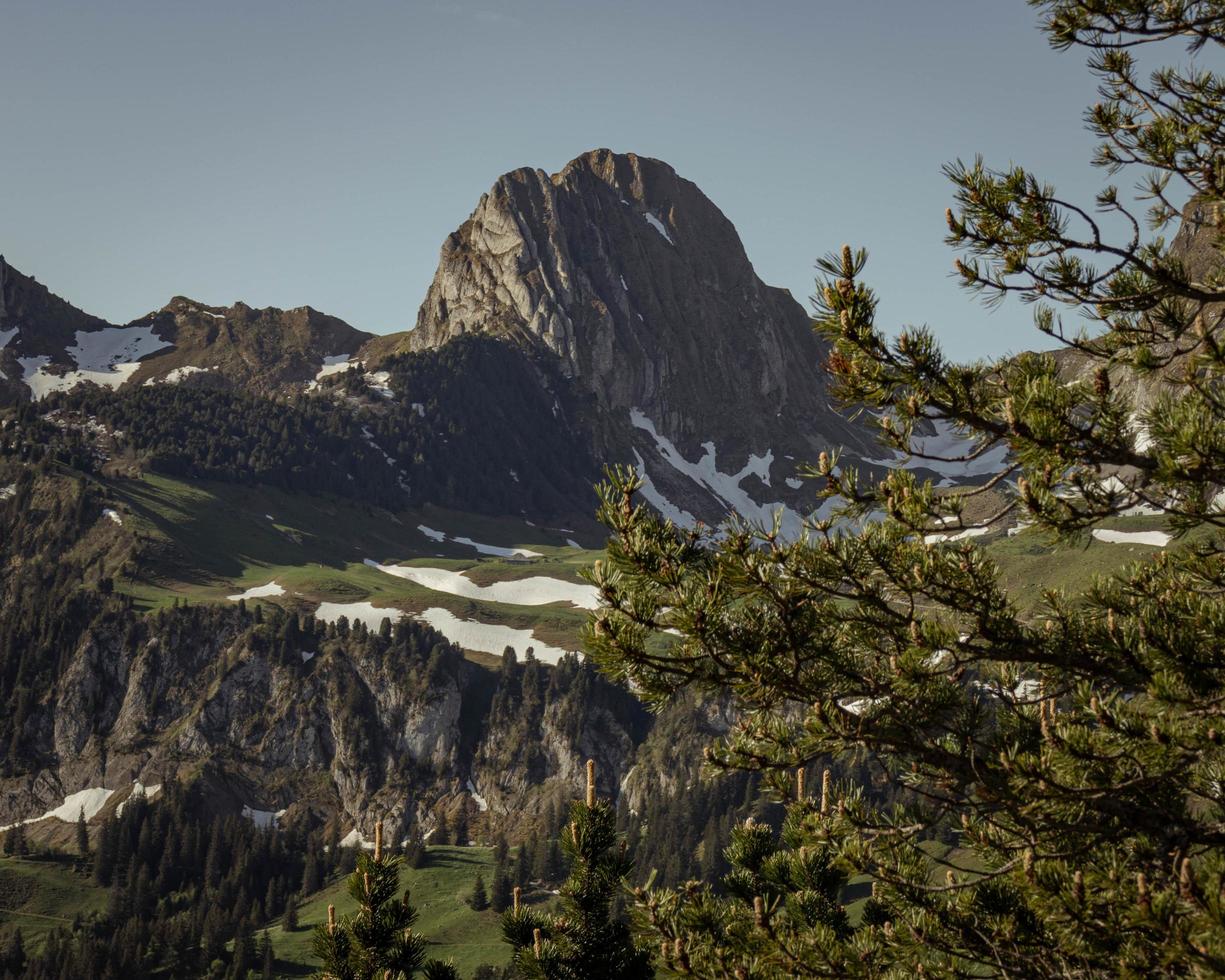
(377, 942)
(478, 901)
(82, 834)
(583, 940)
(1073, 748)
(500, 894)
(780, 889)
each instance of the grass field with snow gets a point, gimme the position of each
(485, 582)
(216, 540)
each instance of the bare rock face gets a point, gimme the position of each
(636, 282)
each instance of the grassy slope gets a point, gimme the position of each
(39, 896)
(438, 891)
(216, 539)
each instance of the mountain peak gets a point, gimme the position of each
(639, 286)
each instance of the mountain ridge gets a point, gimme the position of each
(615, 270)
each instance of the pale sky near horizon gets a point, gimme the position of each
(295, 152)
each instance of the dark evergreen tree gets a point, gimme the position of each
(82, 835)
(267, 956)
(377, 942)
(478, 901)
(442, 832)
(13, 955)
(290, 920)
(583, 940)
(500, 893)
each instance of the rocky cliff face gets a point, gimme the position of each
(402, 727)
(640, 287)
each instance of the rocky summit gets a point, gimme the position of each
(640, 287)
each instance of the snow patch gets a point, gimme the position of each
(9, 491)
(488, 637)
(370, 440)
(430, 533)
(378, 382)
(947, 442)
(91, 801)
(258, 592)
(1144, 440)
(659, 226)
(493, 549)
(668, 510)
(574, 544)
(138, 789)
(484, 549)
(479, 800)
(725, 486)
(107, 357)
(306, 655)
(333, 364)
(794, 482)
(264, 819)
(970, 532)
(357, 612)
(354, 838)
(113, 515)
(176, 375)
(536, 590)
(1155, 539)
(7, 335)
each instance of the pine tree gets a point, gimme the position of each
(478, 901)
(267, 956)
(13, 954)
(583, 941)
(524, 861)
(1072, 749)
(82, 834)
(377, 942)
(500, 894)
(312, 876)
(290, 919)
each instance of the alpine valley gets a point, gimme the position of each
(268, 563)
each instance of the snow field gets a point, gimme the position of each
(106, 357)
(538, 590)
(258, 592)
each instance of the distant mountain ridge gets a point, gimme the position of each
(47, 344)
(622, 275)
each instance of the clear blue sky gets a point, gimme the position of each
(290, 152)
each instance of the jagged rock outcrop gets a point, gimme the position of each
(399, 728)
